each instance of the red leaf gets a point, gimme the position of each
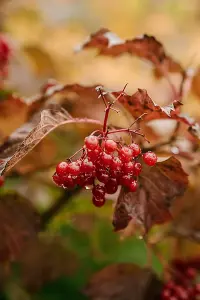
(146, 47)
(150, 204)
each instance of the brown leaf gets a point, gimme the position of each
(146, 47)
(123, 282)
(149, 205)
(23, 140)
(19, 223)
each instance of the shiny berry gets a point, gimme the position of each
(88, 180)
(128, 167)
(2, 181)
(62, 168)
(98, 202)
(102, 176)
(111, 186)
(110, 146)
(116, 164)
(87, 166)
(125, 180)
(69, 182)
(93, 155)
(136, 149)
(57, 180)
(106, 159)
(150, 158)
(98, 191)
(73, 168)
(91, 142)
(126, 154)
(137, 169)
(133, 186)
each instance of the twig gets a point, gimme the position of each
(66, 197)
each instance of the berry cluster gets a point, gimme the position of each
(104, 164)
(184, 284)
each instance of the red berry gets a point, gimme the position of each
(110, 146)
(98, 191)
(181, 292)
(91, 142)
(116, 164)
(98, 202)
(133, 186)
(62, 168)
(87, 166)
(93, 155)
(106, 159)
(136, 149)
(166, 294)
(73, 168)
(126, 154)
(68, 181)
(88, 180)
(55, 178)
(115, 174)
(1, 181)
(102, 176)
(128, 167)
(150, 158)
(137, 169)
(111, 186)
(125, 180)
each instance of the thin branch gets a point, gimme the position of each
(65, 198)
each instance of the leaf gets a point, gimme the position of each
(44, 260)
(149, 205)
(19, 223)
(24, 139)
(119, 281)
(146, 47)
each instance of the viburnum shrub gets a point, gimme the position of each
(105, 163)
(184, 283)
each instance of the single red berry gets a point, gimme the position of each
(116, 164)
(136, 149)
(111, 186)
(98, 191)
(110, 146)
(2, 181)
(62, 168)
(87, 166)
(88, 180)
(137, 169)
(106, 159)
(56, 179)
(73, 168)
(91, 142)
(126, 154)
(98, 202)
(128, 167)
(102, 176)
(115, 174)
(150, 158)
(68, 181)
(166, 294)
(181, 292)
(93, 155)
(133, 186)
(125, 180)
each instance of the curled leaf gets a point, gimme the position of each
(23, 140)
(146, 47)
(150, 204)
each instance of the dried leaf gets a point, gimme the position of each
(146, 47)
(119, 281)
(23, 140)
(19, 223)
(150, 204)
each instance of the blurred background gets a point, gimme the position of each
(79, 239)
